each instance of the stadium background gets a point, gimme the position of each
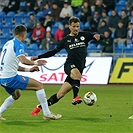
(18, 14)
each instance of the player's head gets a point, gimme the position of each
(20, 32)
(74, 25)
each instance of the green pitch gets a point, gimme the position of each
(109, 115)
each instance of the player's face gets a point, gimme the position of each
(24, 36)
(74, 28)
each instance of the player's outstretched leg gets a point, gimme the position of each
(77, 99)
(52, 100)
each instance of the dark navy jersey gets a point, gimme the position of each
(76, 47)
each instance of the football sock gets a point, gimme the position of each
(76, 86)
(7, 103)
(52, 100)
(43, 101)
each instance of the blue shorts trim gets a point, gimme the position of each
(17, 82)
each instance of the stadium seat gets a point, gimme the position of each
(39, 15)
(18, 20)
(128, 50)
(56, 24)
(91, 47)
(31, 12)
(87, 25)
(81, 25)
(79, 14)
(32, 46)
(118, 50)
(22, 14)
(11, 14)
(2, 14)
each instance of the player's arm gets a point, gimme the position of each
(98, 37)
(26, 61)
(23, 69)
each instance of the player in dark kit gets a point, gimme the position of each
(76, 46)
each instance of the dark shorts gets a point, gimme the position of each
(69, 66)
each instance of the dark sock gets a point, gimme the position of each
(76, 85)
(52, 100)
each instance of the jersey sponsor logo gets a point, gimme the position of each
(123, 71)
(76, 45)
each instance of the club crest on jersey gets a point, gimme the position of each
(82, 38)
(21, 51)
(23, 79)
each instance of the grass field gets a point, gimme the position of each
(109, 115)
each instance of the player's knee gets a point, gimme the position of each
(16, 94)
(40, 86)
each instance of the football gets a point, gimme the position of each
(90, 98)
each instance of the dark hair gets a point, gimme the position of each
(73, 19)
(19, 29)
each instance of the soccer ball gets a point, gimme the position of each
(90, 98)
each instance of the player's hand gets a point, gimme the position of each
(41, 62)
(33, 58)
(35, 68)
(97, 37)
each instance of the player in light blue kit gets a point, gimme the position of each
(13, 53)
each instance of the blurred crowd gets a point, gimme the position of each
(101, 16)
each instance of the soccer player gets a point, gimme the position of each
(13, 53)
(76, 46)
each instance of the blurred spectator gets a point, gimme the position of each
(66, 12)
(130, 34)
(92, 28)
(76, 5)
(124, 18)
(120, 34)
(39, 5)
(46, 10)
(85, 12)
(104, 27)
(66, 29)
(48, 21)
(3, 4)
(12, 6)
(55, 12)
(108, 5)
(104, 17)
(30, 4)
(38, 34)
(113, 20)
(94, 20)
(131, 17)
(31, 23)
(99, 6)
(107, 43)
(48, 41)
(59, 34)
(130, 4)
(91, 4)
